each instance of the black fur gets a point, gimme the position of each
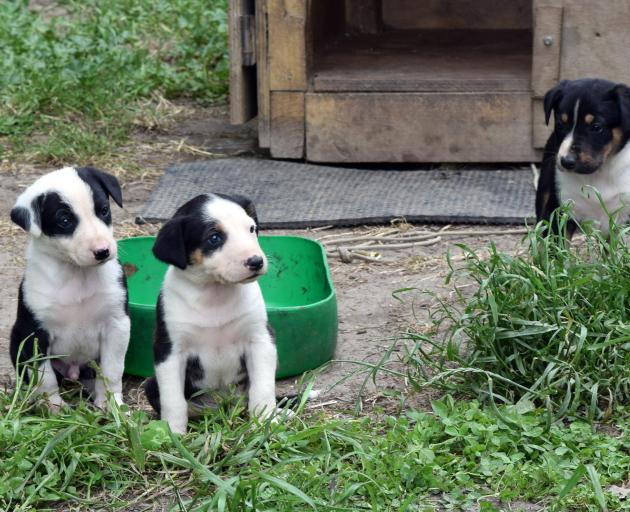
(187, 232)
(194, 373)
(26, 329)
(162, 344)
(54, 215)
(22, 217)
(103, 186)
(609, 104)
(122, 280)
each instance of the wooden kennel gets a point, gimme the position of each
(415, 80)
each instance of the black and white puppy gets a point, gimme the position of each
(587, 151)
(211, 319)
(73, 298)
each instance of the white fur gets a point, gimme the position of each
(79, 303)
(612, 181)
(565, 146)
(215, 312)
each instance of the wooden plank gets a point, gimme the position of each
(363, 16)
(419, 127)
(540, 131)
(287, 124)
(242, 76)
(595, 40)
(287, 45)
(262, 68)
(429, 60)
(453, 14)
(547, 45)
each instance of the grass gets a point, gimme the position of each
(71, 85)
(460, 456)
(551, 325)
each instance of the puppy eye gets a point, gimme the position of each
(63, 219)
(252, 229)
(596, 128)
(105, 210)
(214, 240)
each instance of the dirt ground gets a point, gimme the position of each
(370, 318)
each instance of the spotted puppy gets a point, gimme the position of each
(72, 301)
(211, 319)
(587, 151)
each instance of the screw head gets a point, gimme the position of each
(548, 40)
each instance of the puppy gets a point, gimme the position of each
(72, 301)
(587, 151)
(211, 319)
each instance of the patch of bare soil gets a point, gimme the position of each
(370, 317)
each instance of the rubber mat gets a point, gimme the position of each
(298, 195)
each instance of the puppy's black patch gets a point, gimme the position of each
(22, 217)
(162, 344)
(242, 379)
(194, 373)
(27, 333)
(103, 187)
(152, 391)
(122, 280)
(56, 217)
(188, 232)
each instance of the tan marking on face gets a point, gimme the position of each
(588, 159)
(564, 117)
(196, 258)
(613, 146)
(589, 118)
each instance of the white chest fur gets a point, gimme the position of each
(213, 323)
(74, 305)
(612, 182)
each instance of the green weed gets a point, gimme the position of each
(74, 80)
(551, 325)
(457, 457)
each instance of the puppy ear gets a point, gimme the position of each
(244, 203)
(170, 246)
(26, 215)
(552, 98)
(621, 94)
(106, 181)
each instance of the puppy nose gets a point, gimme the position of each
(568, 162)
(101, 254)
(254, 263)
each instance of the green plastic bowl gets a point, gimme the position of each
(298, 292)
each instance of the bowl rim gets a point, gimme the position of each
(270, 309)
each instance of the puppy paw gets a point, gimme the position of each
(55, 404)
(177, 427)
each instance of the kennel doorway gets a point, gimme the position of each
(408, 81)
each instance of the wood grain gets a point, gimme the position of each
(595, 40)
(363, 16)
(436, 60)
(419, 127)
(452, 14)
(287, 44)
(242, 76)
(262, 69)
(287, 124)
(546, 57)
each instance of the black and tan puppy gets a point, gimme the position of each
(588, 151)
